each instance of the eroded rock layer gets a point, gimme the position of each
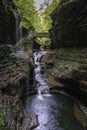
(12, 68)
(69, 27)
(67, 69)
(9, 22)
(68, 36)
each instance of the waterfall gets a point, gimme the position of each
(17, 31)
(42, 85)
(20, 33)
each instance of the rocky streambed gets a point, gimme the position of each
(41, 103)
(51, 109)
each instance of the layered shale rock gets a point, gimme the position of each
(69, 27)
(68, 36)
(14, 71)
(68, 66)
(12, 67)
(30, 120)
(8, 17)
(10, 31)
(10, 110)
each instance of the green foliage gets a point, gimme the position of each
(1, 119)
(48, 11)
(45, 22)
(27, 12)
(43, 41)
(52, 7)
(31, 19)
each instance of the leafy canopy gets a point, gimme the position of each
(40, 22)
(31, 19)
(27, 12)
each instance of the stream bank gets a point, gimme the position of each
(66, 65)
(15, 69)
(50, 109)
(26, 110)
(60, 65)
(66, 69)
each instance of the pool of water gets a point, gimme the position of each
(54, 112)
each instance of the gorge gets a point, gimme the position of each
(43, 65)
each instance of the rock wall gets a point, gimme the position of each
(68, 36)
(10, 31)
(69, 27)
(13, 68)
(7, 22)
(14, 71)
(67, 69)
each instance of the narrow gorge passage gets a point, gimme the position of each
(43, 64)
(54, 111)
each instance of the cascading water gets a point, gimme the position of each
(42, 85)
(20, 33)
(17, 29)
(54, 112)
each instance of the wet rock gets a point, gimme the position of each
(12, 68)
(47, 56)
(81, 114)
(53, 82)
(70, 69)
(29, 121)
(10, 109)
(25, 44)
(21, 55)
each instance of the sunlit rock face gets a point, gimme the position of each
(41, 5)
(69, 27)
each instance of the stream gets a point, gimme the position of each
(54, 111)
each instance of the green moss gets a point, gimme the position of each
(43, 41)
(1, 120)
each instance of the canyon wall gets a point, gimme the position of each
(69, 27)
(68, 36)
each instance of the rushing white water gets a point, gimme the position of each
(54, 112)
(42, 85)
